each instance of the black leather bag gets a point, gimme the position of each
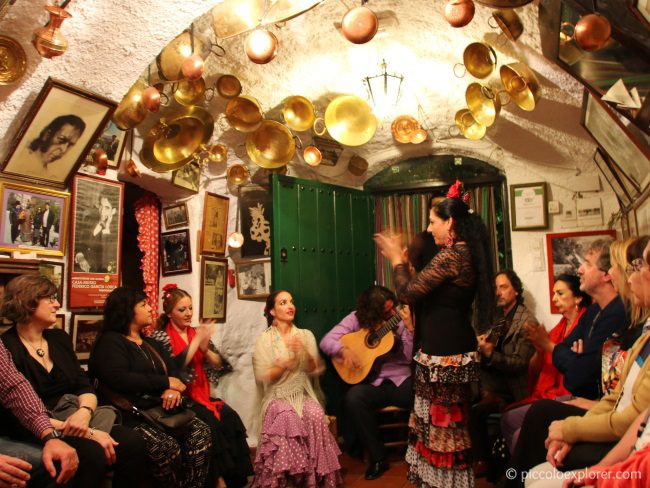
(174, 422)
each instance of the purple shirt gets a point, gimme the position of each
(393, 366)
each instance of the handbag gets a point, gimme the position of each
(173, 422)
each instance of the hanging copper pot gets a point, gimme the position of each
(403, 128)
(312, 156)
(483, 103)
(509, 22)
(232, 17)
(479, 59)
(192, 67)
(261, 46)
(189, 92)
(419, 136)
(218, 153)
(228, 86)
(48, 40)
(522, 85)
(592, 32)
(298, 113)
(359, 25)
(350, 121)
(130, 111)
(244, 114)
(468, 126)
(357, 166)
(151, 99)
(271, 145)
(459, 13)
(171, 58)
(237, 174)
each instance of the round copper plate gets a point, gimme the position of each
(13, 61)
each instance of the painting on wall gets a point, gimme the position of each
(214, 273)
(254, 215)
(566, 253)
(85, 328)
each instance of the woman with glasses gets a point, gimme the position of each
(46, 358)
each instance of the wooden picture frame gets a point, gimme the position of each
(215, 224)
(529, 206)
(176, 216)
(612, 178)
(641, 9)
(566, 252)
(21, 219)
(175, 252)
(112, 141)
(214, 288)
(84, 328)
(55, 272)
(255, 216)
(188, 177)
(59, 130)
(60, 321)
(253, 279)
(624, 148)
(96, 241)
(640, 215)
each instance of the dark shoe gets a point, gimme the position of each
(481, 469)
(375, 470)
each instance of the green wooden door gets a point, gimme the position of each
(323, 253)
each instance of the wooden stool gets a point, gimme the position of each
(393, 426)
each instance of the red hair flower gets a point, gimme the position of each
(169, 287)
(454, 190)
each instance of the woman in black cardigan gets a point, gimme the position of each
(130, 365)
(46, 358)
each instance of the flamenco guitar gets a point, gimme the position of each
(368, 346)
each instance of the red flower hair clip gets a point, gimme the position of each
(168, 288)
(456, 191)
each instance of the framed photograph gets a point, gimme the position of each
(254, 215)
(214, 277)
(85, 328)
(253, 279)
(95, 257)
(215, 224)
(641, 8)
(612, 178)
(33, 219)
(53, 270)
(529, 206)
(58, 132)
(175, 255)
(60, 321)
(176, 216)
(112, 141)
(566, 252)
(625, 149)
(188, 177)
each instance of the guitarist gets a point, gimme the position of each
(389, 381)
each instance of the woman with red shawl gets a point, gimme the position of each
(196, 355)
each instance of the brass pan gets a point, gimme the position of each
(483, 103)
(350, 121)
(130, 111)
(170, 60)
(468, 126)
(479, 59)
(175, 140)
(244, 113)
(509, 22)
(228, 86)
(298, 113)
(238, 174)
(271, 145)
(522, 84)
(232, 17)
(189, 92)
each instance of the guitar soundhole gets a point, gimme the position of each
(372, 340)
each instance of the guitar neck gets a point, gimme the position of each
(388, 326)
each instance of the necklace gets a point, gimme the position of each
(40, 352)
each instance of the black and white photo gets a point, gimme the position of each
(175, 255)
(253, 279)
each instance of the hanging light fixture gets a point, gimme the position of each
(384, 90)
(236, 239)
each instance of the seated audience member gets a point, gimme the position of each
(389, 381)
(505, 355)
(578, 357)
(196, 356)
(570, 437)
(571, 302)
(46, 358)
(133, 368)
(24, 463)
(295, 446)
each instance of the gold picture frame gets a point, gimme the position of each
(215, 224)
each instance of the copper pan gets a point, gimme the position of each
(228, 86)
(298, 113)
(403, 128)
(244, 113)
(170, 60)
(358, 165)
(176, 139)
(271, 145)
(522, 84)
(232, 17)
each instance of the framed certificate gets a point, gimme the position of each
(529, 206)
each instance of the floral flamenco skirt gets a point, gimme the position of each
(296, 451)
(439, 450)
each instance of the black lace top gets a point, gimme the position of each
(445, 290)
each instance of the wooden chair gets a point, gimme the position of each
(393, 427)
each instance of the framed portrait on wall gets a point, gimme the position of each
(84, 331)
(60, 321)
(253, 279)
(215, 224)
(112, 141)
(176, 216)
(254, 215)
(175, 255)
(95, 255)
(214, 276)
(566, 253)
(59, 130)
(529, 206)
(33, 219)
(53, 270)
(188, 177)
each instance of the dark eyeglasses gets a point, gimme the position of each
(635, 266)
(51, 298)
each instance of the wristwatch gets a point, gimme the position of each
(55, 434)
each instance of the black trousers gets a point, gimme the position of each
(478, 428)
(530, 450)
(360, 403)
